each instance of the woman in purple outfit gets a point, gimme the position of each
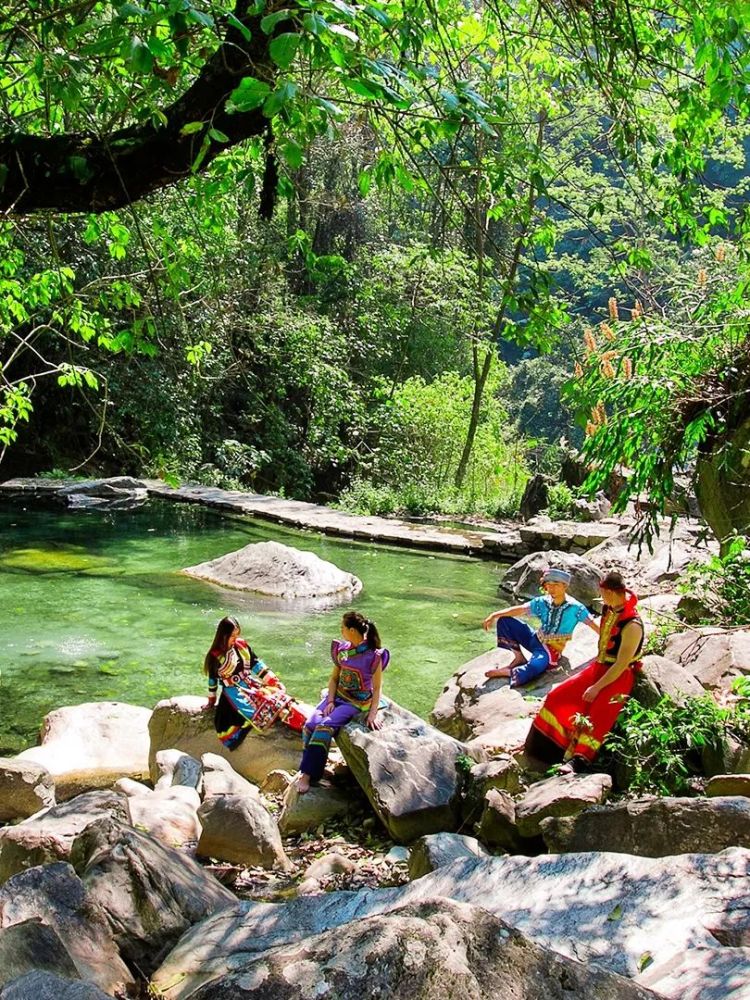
(354, 687)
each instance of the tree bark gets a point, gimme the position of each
(82, 172)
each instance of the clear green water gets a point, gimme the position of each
(93, 607)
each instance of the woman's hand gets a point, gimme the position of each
(591, 693)
(329, 707)
(372, 719)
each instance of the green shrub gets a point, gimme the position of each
(721, 587)
(560, 502)
(660, 748)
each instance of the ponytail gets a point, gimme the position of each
(365, 627)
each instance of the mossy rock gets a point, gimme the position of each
(68, 559)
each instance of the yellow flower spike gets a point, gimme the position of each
(614, 313)
(589, 340)
(702, 276)
(607, 331)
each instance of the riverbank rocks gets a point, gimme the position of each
(168, 814)
(729, 784)
(39, 985)
(648, 571)
(712, 656)
(523, 577)
(25, 788)
(279, 571)
(184, 724)
(240, 829)
(409, 772)
(435, 948)
(654, 827)
(150, 893)
(30, 945)
(323, 802)
(497, 824)
(92, 745)
(661, 676)
(55, 895)
(562, 795)
(49, 835)
(439, 849)
(615, 911)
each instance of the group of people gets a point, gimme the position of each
(569, 728)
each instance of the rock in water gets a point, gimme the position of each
(278, 571)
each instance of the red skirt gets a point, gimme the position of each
(579, 727)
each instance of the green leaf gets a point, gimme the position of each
(250, 94)
(315, 23)
(140, 56)
(283, 49)
(616, 913)
(358, 86)
(645, 960)
(292, 153)
(192, 127)
(270, 21)
(217, 135)
(364, 182)
(239, 26)
(339, 29)
(279, 98)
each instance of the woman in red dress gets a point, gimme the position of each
(578, 713)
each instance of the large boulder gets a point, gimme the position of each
(612, 910)
(408, 770)
(435, 948)
(115, 493)
(497, 824)
(322, 803)
(49, 835)
(712, 656)
(31, 944)
(92, 745)
(654, 827)
(55, 895)
(562, 795)
(25, 788)
(151, 894)
(220, 778)
(184, 724)
(439, 849)
(279, 571)
(523, 577)
(168, 814)
(661, 676)
(39, 985)
(729, 784)
(240, 829)
(178, 768)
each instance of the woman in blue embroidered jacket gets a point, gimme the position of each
(354, 687)
(558, 613)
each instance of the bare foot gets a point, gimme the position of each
(302, 783)
(498, 672)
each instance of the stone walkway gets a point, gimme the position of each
(507, 541)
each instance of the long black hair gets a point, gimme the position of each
(220, 645)
(365, 627)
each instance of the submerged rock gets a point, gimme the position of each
(278, 571)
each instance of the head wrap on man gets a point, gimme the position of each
(556, 576)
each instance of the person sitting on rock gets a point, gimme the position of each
(354, 687)
(559, 614)
(578, 713)
(252, 696)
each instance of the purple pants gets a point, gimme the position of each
(320, 730)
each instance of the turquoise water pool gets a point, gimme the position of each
(93, 607)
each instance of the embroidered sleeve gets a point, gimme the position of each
(537, 607)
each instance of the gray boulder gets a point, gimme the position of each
(439, 849)
(408, 771)
(612, 910)
(220, 778)
(49, 835)
(240, 829)
(523, 578)
(55, 895)
(654, 827)
(712, 656)
(184, 724)
(31, 944)
(279, 571)
(562, 795)
(178, 768)
(40, 985)
(25, 788)
(661, 676)
(151, 894)
(497, 825)
(167, 814)
(115, 493)
(322, 803)
(435, 948)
